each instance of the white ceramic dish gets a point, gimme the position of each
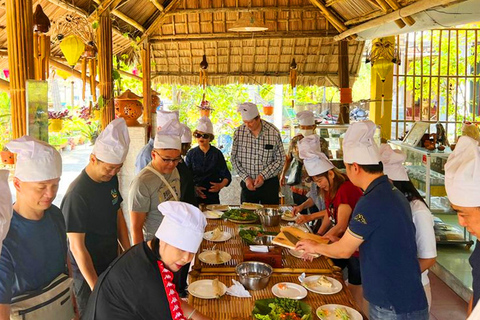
(210, 257)
(213, 214)
(330, 308)
(224, 237)
(289, 290)
(204, 289)
(312, 285)
(219, 207)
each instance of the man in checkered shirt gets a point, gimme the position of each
(258, 156)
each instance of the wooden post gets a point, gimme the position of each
(41, 50)
(20, 59)
(105, 67)
(344, 80)
(147, 83)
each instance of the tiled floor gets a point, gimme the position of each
(446, 305)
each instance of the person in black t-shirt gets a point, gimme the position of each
(93, 217)
(138, 285)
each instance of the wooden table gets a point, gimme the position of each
(234, 308)
(235, 245)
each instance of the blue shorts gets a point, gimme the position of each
(379, 313)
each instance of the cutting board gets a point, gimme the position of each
(281, 240)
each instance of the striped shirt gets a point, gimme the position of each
(263, 155)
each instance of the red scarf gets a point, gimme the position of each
(172, 295)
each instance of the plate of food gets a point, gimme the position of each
(289, 290)
(299, 253)
(251, 206)
(288, 216)
(337, 311)
(217, 235)
(214, 257)
(213, 214)
(240, 216)
(322, 284)
(249, 235)
(218, 207)
(281, 308)
(207, 289)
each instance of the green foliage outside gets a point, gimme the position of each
(5, 120)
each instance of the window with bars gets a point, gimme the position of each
(437, 81)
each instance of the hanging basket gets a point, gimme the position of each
(56, 125)
(96, 115)
(7, 157)
(268, 110)
(205, 112)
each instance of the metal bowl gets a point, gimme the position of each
(254, 275)
(265, 240)
(269, 217)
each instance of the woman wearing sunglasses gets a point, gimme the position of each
(340, 196)
(210, 172)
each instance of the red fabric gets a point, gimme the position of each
(172, 295)
(348, 193)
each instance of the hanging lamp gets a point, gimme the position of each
(72, 48)
(248, 23)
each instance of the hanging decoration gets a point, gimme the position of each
(128, 106)
(72, 48)
(382, 57)
(63, 74)
(203, 72)
(41, 44)
(293, 79)
(6, 73)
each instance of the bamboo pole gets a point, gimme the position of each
(336, 22)
(412, 9)
(93, 75)
(147, 83)
(41, 49)
(396, 6)
(84, 77)
(119, 15)
(59, 65)
(158, 5)
(4, 85)
(105, 66)
(128, 74)
(20, 59)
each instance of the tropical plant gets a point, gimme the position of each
(61, 115)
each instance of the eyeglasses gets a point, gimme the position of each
(202, 135)
(176, 160)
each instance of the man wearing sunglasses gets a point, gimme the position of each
(257, 156)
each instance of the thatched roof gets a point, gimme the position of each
(182, 31)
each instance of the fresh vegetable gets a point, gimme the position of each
(342, 314)
(240, 214)
(322, 314)
(283, 309)
(249, 235)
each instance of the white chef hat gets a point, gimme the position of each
(36, 160)
(112, 144)
(205, 125)
(248, 110)
(186, 134)
(309, 146)
(317, 164)
(393, 163)
(180, 219)
(358, 144)
(6, 209)
(306, 118)
(164, 116)
(168, 137)
(462, 173)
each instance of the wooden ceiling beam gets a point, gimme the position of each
(102, 6)
(159, 20)
(332, 18)
(122, 16)
(233, 37)
(366, 17)
(396, 6)
(4, 85)
(246, 74)
(157, 4)
(240, 9)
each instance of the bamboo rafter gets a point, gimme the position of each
(123, 17)
(396, 6)
(240, 9)
(4, 85)
(157, 5)
(333, 19)
(159, 20)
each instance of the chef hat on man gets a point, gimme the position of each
(169, 136)
(248, 110)
(165, 116)
(309, 146)
(358, 144)
(180, 219)
(36, 160)
(462, 173)
(392, 161)
(6, 209)
(186, 134)
(112, 144)
(205, 125)
(306, 118)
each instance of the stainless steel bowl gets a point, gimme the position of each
(265, 240)
(254, 275)
(269, 217)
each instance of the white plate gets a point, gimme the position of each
(287, 218)
(292, 291)
(251, 206)
(224, 237)
(219, 207)
(299, 253)
(354, 314)
(311, 284)
(209, 257)
(213, 214)
(203, 289)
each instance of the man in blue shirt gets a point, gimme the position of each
(382, 229)
(35, 248)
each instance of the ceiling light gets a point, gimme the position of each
(248, 23)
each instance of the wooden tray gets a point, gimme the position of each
(235, 246)
(234, 308)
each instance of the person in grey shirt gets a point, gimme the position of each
(159, 181)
